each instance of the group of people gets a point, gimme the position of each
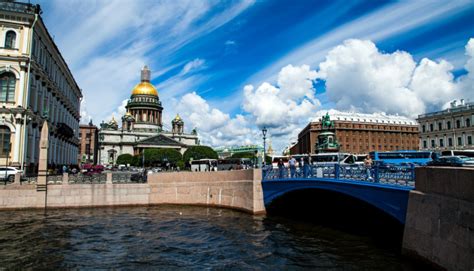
(304, 162)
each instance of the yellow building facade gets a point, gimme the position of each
(35, 84)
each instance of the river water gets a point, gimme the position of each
(175, 237)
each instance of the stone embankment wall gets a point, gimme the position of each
(440, 218)
(234, 189)
(241, 189)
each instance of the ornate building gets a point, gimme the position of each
(35, 84)
(142, 126)
(449, 129)
(361, 133)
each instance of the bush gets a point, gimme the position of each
(158, 157)
(199, 152)
(124, 159)
(180, 164)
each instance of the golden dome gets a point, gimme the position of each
(113, 121)
(144, 88)
(128, 114)
(177, 117)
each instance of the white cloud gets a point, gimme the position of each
(215, 128)
(85, 116)
(193, 65)
(289, 102)
(466, 82)
(359, 77)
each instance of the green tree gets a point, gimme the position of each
(124, 159)
(136, 160)
(199, 152)
(155, 157)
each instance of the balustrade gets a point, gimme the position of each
(384, 174)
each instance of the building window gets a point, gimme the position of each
(423, 128)
(450, 142)
(7, 87)
(468, 122)
(433, 143)
(458, 124)
(440, 126)
(448, 124)
(441, 142)
(10, 38)
(425, 145)
(469, 140)
(459, 141)
(431, 127)
(4, 141)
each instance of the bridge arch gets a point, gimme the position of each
(391, 200)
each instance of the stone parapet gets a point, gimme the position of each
(240, 189)
(448, 181)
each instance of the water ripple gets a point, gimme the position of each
(171, 237)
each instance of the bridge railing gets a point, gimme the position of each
(385, 174)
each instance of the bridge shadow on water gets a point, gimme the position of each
(341, 212)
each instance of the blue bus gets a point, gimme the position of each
(403, 157)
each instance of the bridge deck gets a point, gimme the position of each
(384, 187)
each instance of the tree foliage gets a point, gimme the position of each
(155, 157)
(125, 159)
(199, 152)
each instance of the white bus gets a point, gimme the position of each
(334, 157)
(203, 165)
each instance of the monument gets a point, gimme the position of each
(327, 141)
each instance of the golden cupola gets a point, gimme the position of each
(144, 107)
(145, 87)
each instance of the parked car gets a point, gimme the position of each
(452, 161)
(8, 173)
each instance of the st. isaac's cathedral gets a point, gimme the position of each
(142, 127)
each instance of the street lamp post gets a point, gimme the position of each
(264, 133)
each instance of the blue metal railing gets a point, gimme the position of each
(383, 174)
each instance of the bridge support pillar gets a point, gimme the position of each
(440, 218)
(258, 202)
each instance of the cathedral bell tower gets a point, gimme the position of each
(144, 110)
(177, 125)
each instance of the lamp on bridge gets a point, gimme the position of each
(264, 133)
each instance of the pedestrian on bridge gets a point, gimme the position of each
(281, 168)
(292, 164)
(368, 166)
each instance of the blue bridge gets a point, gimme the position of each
(385, 187)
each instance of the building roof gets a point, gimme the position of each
(160, 140)
(380, 118)
(454, 108)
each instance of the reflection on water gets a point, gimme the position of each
(181, 237)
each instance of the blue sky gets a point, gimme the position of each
(212, 61)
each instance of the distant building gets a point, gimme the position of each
(142, 127)
(224, 152)
(35, 84)
(362, 133)
(88, 136)
(448, 129)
